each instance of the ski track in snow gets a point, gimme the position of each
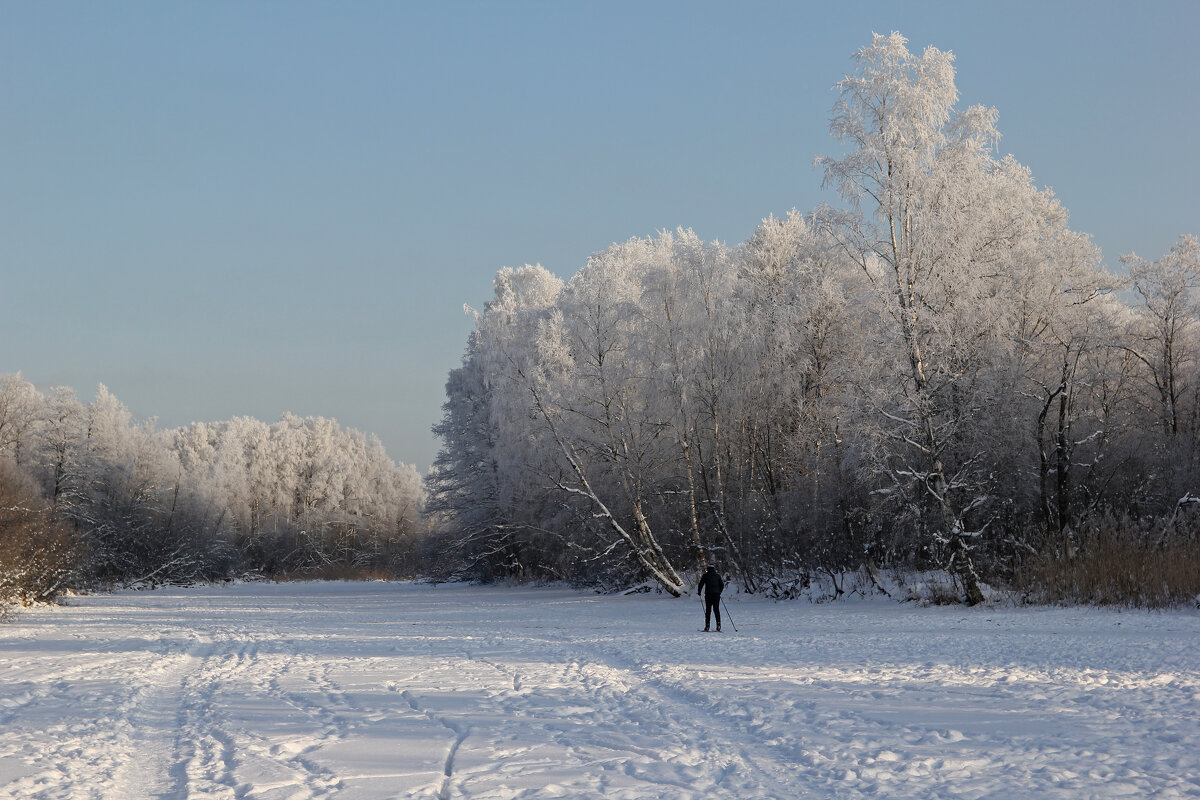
(376, 690)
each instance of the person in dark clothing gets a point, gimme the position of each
(712, 586)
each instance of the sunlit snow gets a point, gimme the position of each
(378, 690)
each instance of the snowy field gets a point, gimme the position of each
(391, 690)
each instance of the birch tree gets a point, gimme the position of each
(20, 407)
(942, 222)
(591, 392)
(1168, 339)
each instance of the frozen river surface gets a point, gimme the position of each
(380, 690)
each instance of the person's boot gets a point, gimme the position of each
(706, 629)
(718, 629)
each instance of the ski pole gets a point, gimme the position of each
(729, 615)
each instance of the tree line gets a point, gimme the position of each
(91, 498)
(937, 375)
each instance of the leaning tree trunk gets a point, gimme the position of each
(644, 545)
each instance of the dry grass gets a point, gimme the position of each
(1120, 561)
(338, 572)
(38, 554)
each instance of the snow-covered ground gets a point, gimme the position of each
(391, 690)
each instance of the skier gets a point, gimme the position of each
(712, 585)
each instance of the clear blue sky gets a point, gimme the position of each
(247, 208)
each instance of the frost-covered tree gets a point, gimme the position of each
(210, 500)
(803, 308)
(20, 409)
(303, 494)
(1167, 338)
(945, 228)
(61, 450)
(940, 374)
(526, 467)
(465, 482)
